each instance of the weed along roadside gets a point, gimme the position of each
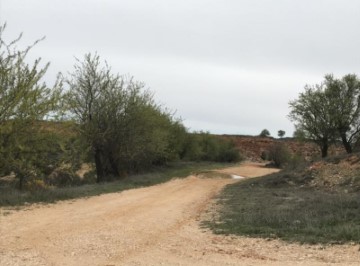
(292, 206)
(10, 196)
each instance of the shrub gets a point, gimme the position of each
(296, 161)
(229, 156)
(205, 147)
(264, 133)
(35, 185)
(279, 154)
(63, 177)
(265, 155)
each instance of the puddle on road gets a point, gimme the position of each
(237, 177)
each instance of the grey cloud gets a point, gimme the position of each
(226, 65)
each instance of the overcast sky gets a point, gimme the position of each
(229, 67)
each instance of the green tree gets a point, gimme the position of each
(311, 116)
(90, 85)
(264, 133)
(281, 133)
(343, 96)
(24, 100)
(299, 134)
(329, 111)
(119, 120)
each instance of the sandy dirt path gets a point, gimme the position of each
(157, 225)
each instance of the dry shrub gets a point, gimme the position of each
(279, 154)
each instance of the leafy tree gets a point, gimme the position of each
(329, 111)
(24, 100)
(90, 87)
(310, 113)
(122, 125)
(281, 133)
(343, 95)
(299, 134)
(264, 133)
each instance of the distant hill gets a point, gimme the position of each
(252, 146)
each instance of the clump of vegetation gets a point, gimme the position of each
(329, 112)
(102, 119)
(281, 133)
(286, 205)
(205, 147)
(279, 154)
(122, 126)
(264, 133)
(44, 193)
(26, 149)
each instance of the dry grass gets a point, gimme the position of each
(320, 204)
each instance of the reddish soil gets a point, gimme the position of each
(253, 146)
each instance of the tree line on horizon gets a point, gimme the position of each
(90, 116)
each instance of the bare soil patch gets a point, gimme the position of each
(156, 225)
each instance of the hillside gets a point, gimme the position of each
(252, 146)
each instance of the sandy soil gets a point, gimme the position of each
(157, 225)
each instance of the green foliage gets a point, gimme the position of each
(25, 149)
(279, 154)
(299, 134)
(309, 112)
(123, 127)
(275, 206)
(32, 151)
(23, 95)
(264, 133)
(344, 98)
(281, 133)
(329, 111)
(205, 147)
(41, 192)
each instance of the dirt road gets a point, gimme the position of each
(157, 225)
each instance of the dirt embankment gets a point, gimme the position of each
(253, 146)
(157, 225)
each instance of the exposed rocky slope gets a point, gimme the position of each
(252, 146)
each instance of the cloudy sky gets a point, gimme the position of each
(229, 67)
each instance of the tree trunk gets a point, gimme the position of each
(346, 143)
(21, 181)
(114, 166)
(324, 148)
(99, 166)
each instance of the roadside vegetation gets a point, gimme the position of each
(10, 197)
(329, 112)
(316, 203)
(93, 119)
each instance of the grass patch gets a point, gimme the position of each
(278, 206)
(13, 197)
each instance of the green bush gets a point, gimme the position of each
(264, 133)
(205, 147)
(279, 154)
(63, 177)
